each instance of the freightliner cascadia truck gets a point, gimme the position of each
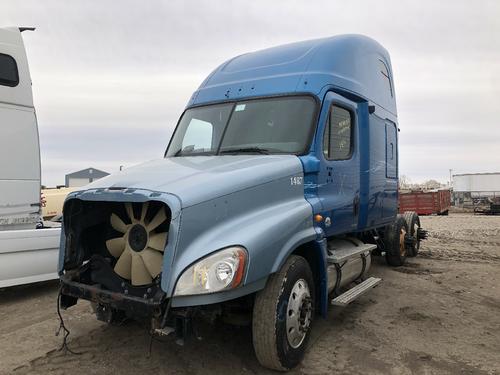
(278, 185)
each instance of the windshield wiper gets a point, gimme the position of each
(257, 150)
(193, 153)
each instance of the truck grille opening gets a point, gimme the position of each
(123, 242)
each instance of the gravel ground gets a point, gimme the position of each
(439, 314)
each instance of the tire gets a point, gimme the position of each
(278, 344)
(413, 223)
(396, 249)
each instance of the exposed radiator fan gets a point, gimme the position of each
(140, 249)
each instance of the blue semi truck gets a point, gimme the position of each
(278, 185)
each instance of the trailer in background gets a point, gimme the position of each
(425, 202)
(477, 192)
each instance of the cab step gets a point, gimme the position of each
(340, 250)
(346, 298)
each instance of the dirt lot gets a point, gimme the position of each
(440, 314)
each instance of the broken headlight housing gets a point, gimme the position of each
(222, 270)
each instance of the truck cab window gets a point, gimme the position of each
(277, 125)
(337, 140)
(267, 126)
(198, 135)
(200, 130)
(9, 75)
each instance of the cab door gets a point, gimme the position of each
(339, 175)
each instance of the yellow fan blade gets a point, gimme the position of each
(118, 224)
(140, 275)
(116, 246)
(153, 261)
(157, 220)
(158, 241)
(130, 211)
(124, 264)
(144, 211)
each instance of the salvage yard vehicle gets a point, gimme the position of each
(278, 184)
(28, 250)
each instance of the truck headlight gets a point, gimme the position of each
(219, 271)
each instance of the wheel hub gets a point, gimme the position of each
(138, 238)
(299, 313)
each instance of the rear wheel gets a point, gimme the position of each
(396, 249)
(413, 223)
(282, 316)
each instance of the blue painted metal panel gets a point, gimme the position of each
(196, 179)
(364, 165)
(390, 204)
(364, 174)
(338, 180)
(270, 220)
(391, 163)
(321, 246)
(348, 62)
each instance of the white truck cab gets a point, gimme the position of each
(27, 254)
(19, 146)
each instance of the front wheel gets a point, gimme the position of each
(282, 316)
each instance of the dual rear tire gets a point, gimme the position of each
(401, 239)
(413, 222)
(396, 249)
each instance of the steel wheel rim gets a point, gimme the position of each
(402, 246)
(415, 234)
(298, 314)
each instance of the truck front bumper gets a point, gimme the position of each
(133, 306)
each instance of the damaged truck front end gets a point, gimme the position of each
(182, 252)
(117, 247)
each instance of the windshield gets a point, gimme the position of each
(273, 125)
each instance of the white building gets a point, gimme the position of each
(84, 177)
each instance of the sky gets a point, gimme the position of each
(111, 78)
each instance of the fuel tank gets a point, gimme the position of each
(355, 266)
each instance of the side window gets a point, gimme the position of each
(386, 76)
(9, 75)
(198, 135)
(337, 140)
